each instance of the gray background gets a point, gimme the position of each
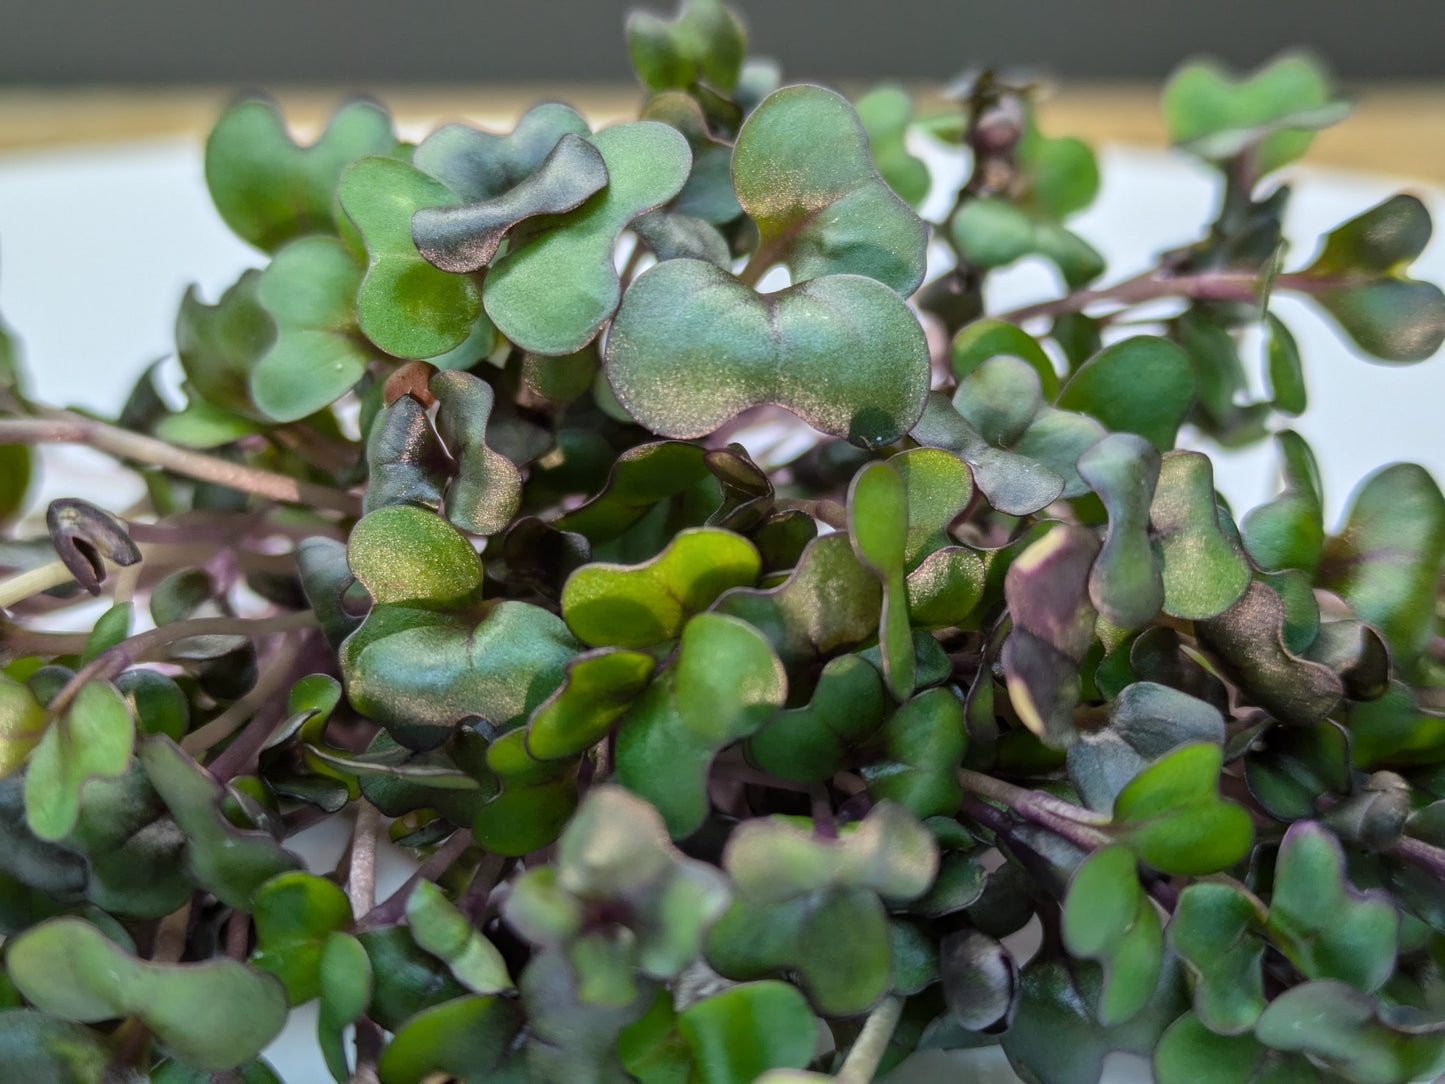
(473, 41)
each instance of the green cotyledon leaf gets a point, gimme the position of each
(466, 237)
(842, 352)
(885, 111)
(727, 682)
(404, 305)
(1173, 818)
(638, 605)
(479, 165)
(1326, 927)
(1126, 584)
(1216, 932)
(92, 739)
(212, 1015)
(1386, 560)
(420, 673)
(486, 490)
(552, 293)
(878, 508)
(402, 552)
(1142, 385)
(309, 292)
(803, 172)
(267, 188)
(704, 42)
(1277, 107)
(1109, 918)
(1204, 572)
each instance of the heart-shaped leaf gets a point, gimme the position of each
(1204, 572)
(878, 511)
(1215, 931)
(1146, 720)
(1328, 928)
(600, 686)
(1172, 817)
(405, 306)
(1289, 532)
(92, 739)
(1191, 1052)
(309, 292)
(920, 748)
(218, 345)
(537, 798)
(466, 238)
(268, 189)
(486, 491)
(1389, 556)
(804, 174)
(553, 292)
(981, 340)
(1126, 584)
(726, 684)
(813, 741)
(294, 913)
(230, 862)
(403, 553)
(212, 1015)
(479, 165)
(420, 674)
(829, 601)
(1021, 450)
(467, 1038)
(885, 111)
(1276, 109)
(703, 43)
(744, 1031)
(1109, 918)
(989, 232)
(638, 605)
(1351, 1035)
(845, 355)
(1142, 385)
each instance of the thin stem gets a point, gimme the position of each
(763, 257)
(238, 934)
(1078, 826)
(1425, 855)
(142, 646)
(394, 906)
(33, 581)
(64, 428)
(872, 1043)
(224, 725)
(1203, 286)
(361, 880)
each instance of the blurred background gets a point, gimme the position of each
(466, 41)
(84, 70)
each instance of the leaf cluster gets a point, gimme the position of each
(742, 671)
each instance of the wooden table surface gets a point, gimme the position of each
(1396, 129)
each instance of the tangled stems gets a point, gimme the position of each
(67, 428)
